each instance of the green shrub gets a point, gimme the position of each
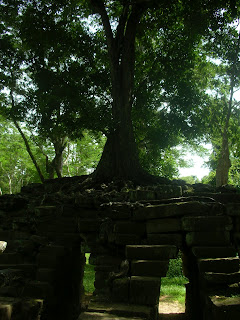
(175, 267)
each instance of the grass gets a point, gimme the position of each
(174, 289)
(89, 275)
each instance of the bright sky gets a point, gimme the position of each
(197, 169)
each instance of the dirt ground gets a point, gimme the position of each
(166, 306)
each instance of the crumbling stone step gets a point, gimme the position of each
(9, 306)
(221, 278)
(104, 316)
(122, 310)
(151, 252)
(28, 270)
(219, 265)
(16, 308)
(224, 308)
(214, 252)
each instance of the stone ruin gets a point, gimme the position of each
(131, 235)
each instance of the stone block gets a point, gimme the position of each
(163, 225)
(150, 252)
(116, 210)
(121, 309)
(220, 265)
(46, 275)
(208, 238)
(177, 209)
(233, 209)
(145, 290)
(207, 223)
(165, 238)
(129, 227)
(225, 308)
(123, 239)
(120, 290)
(214, 252)
(108, 260)
(212, 278)
(103, 316)
(88, 225)
(38, 290)
(9, 306)
(151, 268)
(11, 258)
(43, 211)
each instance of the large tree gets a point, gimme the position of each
(121, 21)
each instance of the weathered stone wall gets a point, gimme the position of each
(131, 235)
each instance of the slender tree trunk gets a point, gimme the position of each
(56, 165)
(224, 162)
(29, 151)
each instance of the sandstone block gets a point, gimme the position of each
(208, 238)
(224, 308)
(233, 209)
(177, 209)
(123, 239)
(116, 210)
(220, 265)
(163, 225)
(145, 290)
(88, 225)
(121, 309)
(221, 278)
(151, 268)
(165, 238)
(150, 252)
(129, 227)
(120, 290)
(207, 223)
(214, 252)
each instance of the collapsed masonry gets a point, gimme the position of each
(131, 235)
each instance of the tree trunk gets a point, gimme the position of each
(224, 162)
(120, 157)
(56, 165)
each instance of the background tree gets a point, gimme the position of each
(223, 116)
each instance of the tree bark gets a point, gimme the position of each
(56, 165)
(224, 162)
(120, 157)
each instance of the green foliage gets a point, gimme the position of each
(16, 168)
(175, 267)
(190, 179)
